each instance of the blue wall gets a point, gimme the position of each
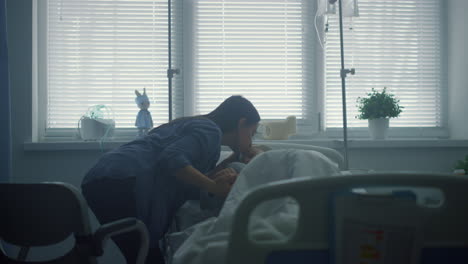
(5, 130)
(5, 127)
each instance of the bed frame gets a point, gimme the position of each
(443, 236)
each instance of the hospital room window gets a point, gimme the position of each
(98, 53)
(256, 48)
(394, 44)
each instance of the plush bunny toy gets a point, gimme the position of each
(143, 121)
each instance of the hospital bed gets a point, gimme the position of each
(432, 205)
(421, 218)
(330, 153)
(192, 213)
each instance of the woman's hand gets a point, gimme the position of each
(224, 180)
(222, 165)
(224, 173)
(220, 186)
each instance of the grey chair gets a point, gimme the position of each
(43, 214)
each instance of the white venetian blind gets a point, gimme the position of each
(393, 44)
(99, 52)
(254, 48)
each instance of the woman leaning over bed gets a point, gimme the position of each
(151, 177)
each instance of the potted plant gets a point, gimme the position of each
(462, 166)
(377, 107)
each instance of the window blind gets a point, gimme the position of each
(393, 44)
(253, 48)
(99, 52)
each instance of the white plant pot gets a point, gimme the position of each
(378, 128)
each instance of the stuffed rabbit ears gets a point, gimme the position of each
(139, 94)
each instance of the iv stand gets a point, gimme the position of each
(170, 71)
(343, 73)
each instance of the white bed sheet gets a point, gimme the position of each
(273, 220)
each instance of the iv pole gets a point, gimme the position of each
(343, 73)
(170, 71)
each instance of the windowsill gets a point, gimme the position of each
(387, 143)
(72, 145)
(330, 143)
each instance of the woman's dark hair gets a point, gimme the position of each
(229, 112)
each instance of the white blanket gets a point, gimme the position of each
(272, 220)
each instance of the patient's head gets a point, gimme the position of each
(253, 151)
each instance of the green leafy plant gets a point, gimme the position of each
(378, 105)
(462, 165)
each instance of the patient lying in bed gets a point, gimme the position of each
(213, 204)
(207, 241)
(193, 212)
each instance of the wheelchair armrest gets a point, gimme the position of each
(121, 226)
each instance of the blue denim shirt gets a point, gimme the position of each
(154, 159)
